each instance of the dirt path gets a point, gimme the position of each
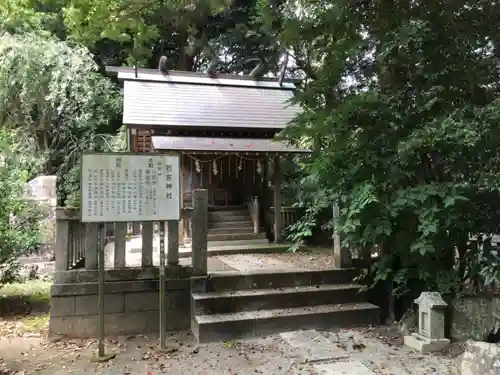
(375, 351)
(138, 355)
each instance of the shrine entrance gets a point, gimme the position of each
(229, 179)
(237, 174)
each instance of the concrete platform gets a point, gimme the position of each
(134, 250)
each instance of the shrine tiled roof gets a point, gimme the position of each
(183, 99)
(223, 145)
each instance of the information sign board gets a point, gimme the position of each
(119, 187)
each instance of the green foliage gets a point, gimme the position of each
(29, 16)
(139, 32)
(19, 218)
(105, 142)
(55, 95)
(146, 29)
(401, 107)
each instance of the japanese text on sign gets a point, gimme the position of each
(130, 187)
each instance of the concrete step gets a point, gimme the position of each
(230, 236)
(230, 224)
(240, 207)
(286, 279)
(247, 229)
(236, 243)
(228, 213)
(219, 327)
(228, 218)
(285, 298)
(265, 248)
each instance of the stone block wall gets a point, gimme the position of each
(474, 317)
(131, 306)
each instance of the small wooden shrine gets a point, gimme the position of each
(222, 126)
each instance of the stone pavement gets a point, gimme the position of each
(325, 357)
(361, 352)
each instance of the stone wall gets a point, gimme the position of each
(131, 302)
(475, 317)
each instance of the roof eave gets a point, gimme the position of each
(236, 152)
(114, 71)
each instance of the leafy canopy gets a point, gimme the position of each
(55, 95)
(402, 109)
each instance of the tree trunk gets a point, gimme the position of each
(185, 62)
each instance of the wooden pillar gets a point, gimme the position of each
(341, 255)
(180, 227)
(200, 232)
(277, 199)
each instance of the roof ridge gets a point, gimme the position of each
(130, 74)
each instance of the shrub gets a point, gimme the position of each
(19, 218)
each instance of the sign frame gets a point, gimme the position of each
(176, 179)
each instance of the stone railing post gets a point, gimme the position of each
(62, 239)
(136, 228)
(173, 242)
(147, 244)
(341, 255)
(91, 250)
(256, 215)
(120, 245)
(278, 179)
(200, 232)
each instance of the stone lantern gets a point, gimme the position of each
(430, 336)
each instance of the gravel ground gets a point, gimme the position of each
(23, 349)
(139, 355)
(379, 350)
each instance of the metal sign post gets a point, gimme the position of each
(163, 315)
(100, 248)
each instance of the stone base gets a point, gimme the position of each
(425, 345)
(130, 306)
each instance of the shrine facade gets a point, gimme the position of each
(223, 129)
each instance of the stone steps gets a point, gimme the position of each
(285, 298)
(236, 230)
(240, 249)
(235, 305)
(221, 327)
(239, 242)
(240, 207)
(233, 227)
(284, 279)
(230, 236)
(228, 216)
(228, 225)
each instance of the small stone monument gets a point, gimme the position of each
(430, 336)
